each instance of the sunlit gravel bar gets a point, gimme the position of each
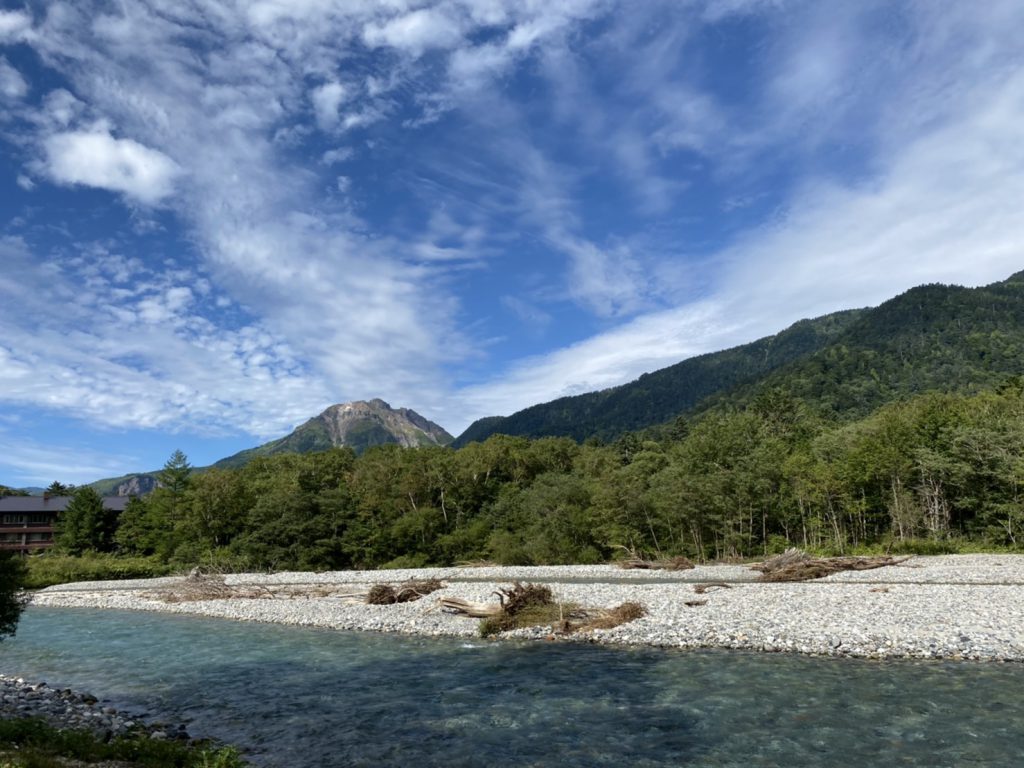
(949, 607)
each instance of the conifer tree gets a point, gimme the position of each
(86, 524)
(12, 576)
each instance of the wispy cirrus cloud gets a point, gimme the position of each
(39, 463)
(357, 199)
(937, 203)
(12, 84)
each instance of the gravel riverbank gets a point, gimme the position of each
(951, 607)
(64, 708)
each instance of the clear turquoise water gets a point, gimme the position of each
(306, 697)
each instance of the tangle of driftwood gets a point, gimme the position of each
(797, 565)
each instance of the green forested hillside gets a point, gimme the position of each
(928, 474)
(658, 396)
(897, 427)
(309, 437)
(931, 338)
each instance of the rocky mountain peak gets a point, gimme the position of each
(362, 423)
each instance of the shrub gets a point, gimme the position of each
(40, 745)
(12, 578)
(53, 568)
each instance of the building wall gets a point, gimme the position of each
(27, 522)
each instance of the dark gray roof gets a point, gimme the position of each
(54, 503)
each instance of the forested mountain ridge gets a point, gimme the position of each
(930, 473)
(763, 471)
(656, 397)
(358, 425)
(933, 337)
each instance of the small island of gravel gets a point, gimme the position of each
(949, 607)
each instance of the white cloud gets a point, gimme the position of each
(605, 360)
(343, 308)
(327, 99)
(416, 32)
(42, 463)
(610, 282)
(15, 26)
(339, 155)
(529, 313)
(60, 108)
(166, 306)
(143, 356)
(97, 159)
(945, 210)
(716, 10)
(474, 68)
(12, 84)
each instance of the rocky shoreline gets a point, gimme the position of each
(67, 709)
(946, 607)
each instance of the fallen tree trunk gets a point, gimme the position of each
(468, 608)
(795, 565)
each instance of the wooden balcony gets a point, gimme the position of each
(8, 546)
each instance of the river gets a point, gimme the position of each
(310, 697)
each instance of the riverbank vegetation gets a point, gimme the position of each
(933, 474)
(60, 568)
(32, 743)
(12, 581)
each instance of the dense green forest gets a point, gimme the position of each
(734, 482)
(657, 396)
(934, 337)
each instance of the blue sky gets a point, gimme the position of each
(216, 218)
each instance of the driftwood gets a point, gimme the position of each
(511, 601)
(636, 561)
(795, 565)
(407, 592)
(520, 597)
(700, 589)
(695, 603)
(776, 562)
(468, 608)
(198, 586)
(531, 605)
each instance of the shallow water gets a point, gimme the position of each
(311, 697)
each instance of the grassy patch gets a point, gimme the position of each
(952, 545)
(615, 617)
(32, 743)
(51, 568)
(534, 616)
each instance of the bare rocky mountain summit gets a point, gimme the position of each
(137, 485)
(360, 424)
(351, 424)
